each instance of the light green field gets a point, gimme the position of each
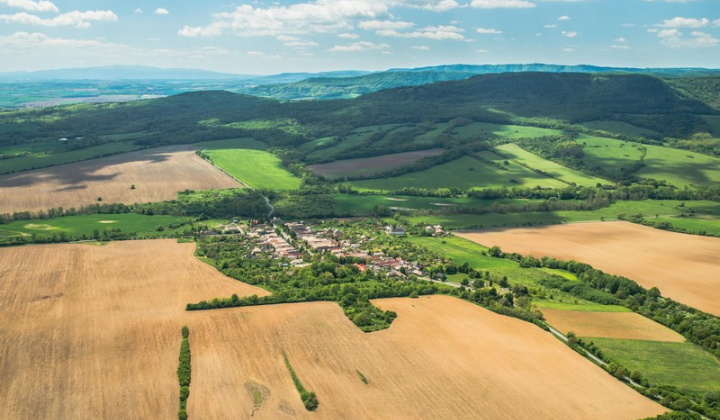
(581, 306)
(312, 145)
(648, 208)
(76, 226)
(497, 131)
(558, 272)
(707, 223)
(255, 168)
(553, 169)
(619, 127)
(679, 364)
(678, 167)
(355, 138)
(41, 160)
(464, 173)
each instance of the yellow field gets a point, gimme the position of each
(93, 332)
(610, 325)
(684, 267)
(441, 358)
(158, 174)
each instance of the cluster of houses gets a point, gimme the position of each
(285, 244)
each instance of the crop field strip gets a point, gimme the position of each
(255, 168)
(92, 331)
(683, 267)
(436, 340)
(158, 174)
(370, 166)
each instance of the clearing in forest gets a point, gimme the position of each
(441, 358)
(609, 325)
(372, 165)
(89, 332)
(684, 267)
(157, 174)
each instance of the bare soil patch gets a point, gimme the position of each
(627, 325)
(90, 332)
(158, 174)
(367, 166)
(684, 267)
(442, 358)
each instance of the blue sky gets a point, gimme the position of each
(268, 37)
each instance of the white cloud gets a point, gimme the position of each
(75, 18)
(348, 36)
(488, 31)
(568, 50)
(161, 11)
(564, 18)
(32, 6)
(432, 5)
(502, 4)
(384, 24)
(673, 38)
(361, 46)
(716, 22)
(320, 16)
(549, 26)
(681, 22)
(621, 39)
(431, 32)
(569, 34)
(421, 47)
(138, 11)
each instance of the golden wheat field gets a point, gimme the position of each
(441, 358)
(93, 332)
(627, 325)
(684, 267)
(158, 174)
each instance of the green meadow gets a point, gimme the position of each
(40, 158)
(619, 127)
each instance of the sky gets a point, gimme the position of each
(270, 37)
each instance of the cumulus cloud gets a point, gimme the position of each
(138, 11)
(31, 6)
(75, 18)
(421, 47)
(568, 50)
(673, 38)
(621, 39)
(569, 34)
(295, 42)
(161, 11)
(441, 32)
(502, 4)
(320, 16)
(384, 24)
(488, 31)
(564, 17)
(361, 46)
(681, 22)
(348, 35)
(549, 26)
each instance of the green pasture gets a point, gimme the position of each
(77, 226)
(683, 365)
(553, 169)
(619, 127)
(464, 173)
(355, 138)
(255, 168)
(478, 130)
(578, 305)
(42, 160)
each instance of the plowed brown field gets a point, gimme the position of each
(610, 325)
(93, 332)
(684, 267)
(442, 358)
(158, 174)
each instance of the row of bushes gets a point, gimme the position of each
(308, 398)
(183, 373)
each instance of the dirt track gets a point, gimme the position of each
(158, 174)
(684, 267)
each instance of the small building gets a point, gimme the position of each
(399, 231)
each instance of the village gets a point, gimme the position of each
(293, 244)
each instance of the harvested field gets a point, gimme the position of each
(684, 267)
(90, 332)
(372, 165)
(610, 325)
(442, 358)
(158, 174)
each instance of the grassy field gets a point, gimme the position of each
(607, 324)
(77, 226)
(255, 168)
(649, 208)
(707, 223)
(39, 157)
(497, 131)
(355, 138)
(680, 364)
(683, 267)
(678, 167)
(464, 173)
(372, 165)
(619, 127)
(578, 307)
(362, 204)
(441, 358)
(91, 331)
(553, 169)
(157, 174)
